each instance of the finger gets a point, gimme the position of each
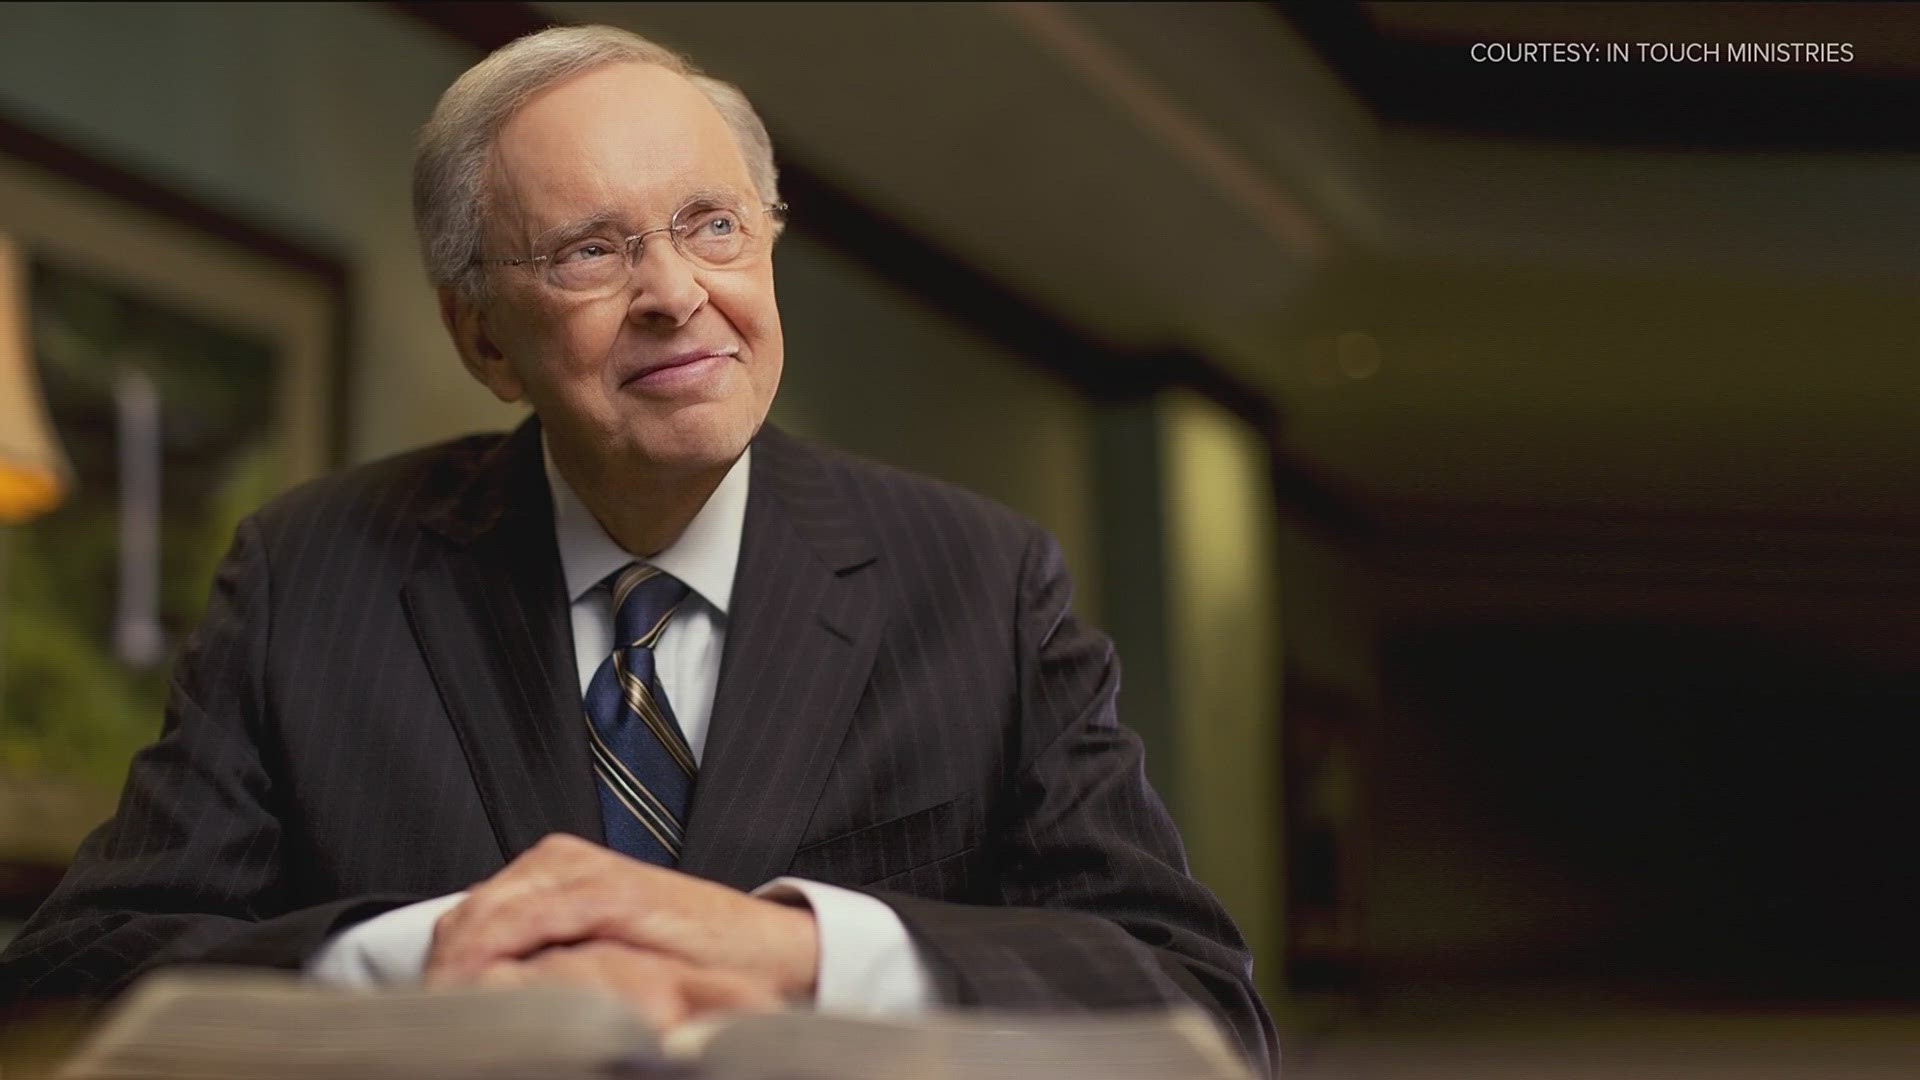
(553, 862)
(710, 990)
(662, 990)
(556, 864)
(652, 986)
(456, 922)
(509, 974)
(521, 925)
(622, 900)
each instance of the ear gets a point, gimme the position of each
(466, 322)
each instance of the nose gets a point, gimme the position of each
(667, 290)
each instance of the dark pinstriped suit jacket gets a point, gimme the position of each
(381, 706)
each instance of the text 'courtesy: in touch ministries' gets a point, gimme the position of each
(1661, 52)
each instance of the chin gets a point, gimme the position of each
(698, 437)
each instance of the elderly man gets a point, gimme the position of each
(645, 694)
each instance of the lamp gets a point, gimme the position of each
(33, 468)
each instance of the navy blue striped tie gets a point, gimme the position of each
(644, 765)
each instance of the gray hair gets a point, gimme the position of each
(450, 160)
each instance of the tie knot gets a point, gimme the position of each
(644, 598)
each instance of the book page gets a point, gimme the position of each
(215, 1023)
(962, 1046)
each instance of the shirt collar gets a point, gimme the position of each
(704, 557)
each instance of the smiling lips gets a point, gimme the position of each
(689, 364)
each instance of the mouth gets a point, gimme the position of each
(678, 366)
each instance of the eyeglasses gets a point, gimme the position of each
(711, 233)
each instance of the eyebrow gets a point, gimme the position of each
(569, 231)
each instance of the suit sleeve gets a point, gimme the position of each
(1098, 910)
(191, 868)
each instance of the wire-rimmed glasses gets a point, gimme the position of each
(593, 256)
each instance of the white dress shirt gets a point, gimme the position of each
(868, 963)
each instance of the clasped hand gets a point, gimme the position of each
(674, 946)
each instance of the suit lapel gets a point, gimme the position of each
(491, 614)
(801, 635)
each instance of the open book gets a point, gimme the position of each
(214, 1025)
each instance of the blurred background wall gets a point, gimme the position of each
(1499, 480)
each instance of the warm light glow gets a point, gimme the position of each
(33, 469)
(25, 494)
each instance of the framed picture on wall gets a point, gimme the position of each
(190, 365)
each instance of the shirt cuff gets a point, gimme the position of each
(868, 962)
(389, 949)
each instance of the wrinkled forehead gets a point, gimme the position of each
(630, 140)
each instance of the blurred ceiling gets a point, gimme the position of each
(1150, 173)
(1638, 307)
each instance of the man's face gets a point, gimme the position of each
(609, 374)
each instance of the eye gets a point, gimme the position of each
(713, 224)
(585, 251)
